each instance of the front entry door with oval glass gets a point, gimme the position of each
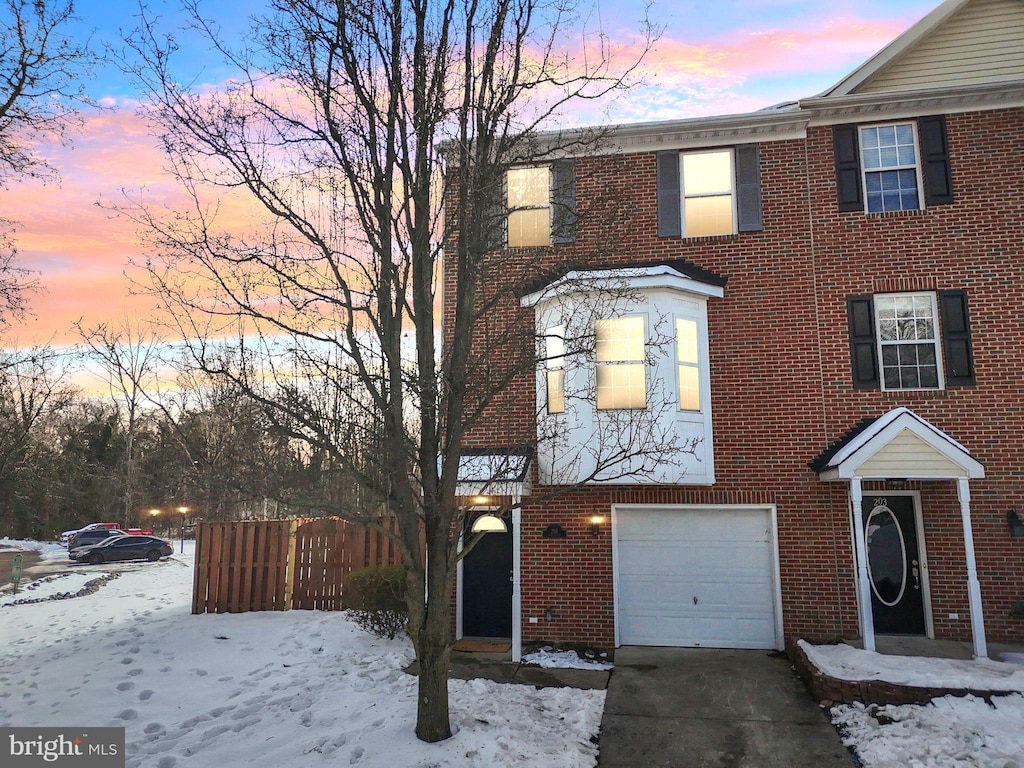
(895, 569)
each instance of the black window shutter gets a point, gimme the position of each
(495, 214)
(670, 218)
(956, 338)
(938, 182)
(563, 201)
(748, 188)
(861, 313)
(847, 156)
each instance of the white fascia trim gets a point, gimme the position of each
(881, 59)
(846, 463)
(632, 278)
(898, 105)
(720, 130)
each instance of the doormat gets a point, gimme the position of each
(483, 646)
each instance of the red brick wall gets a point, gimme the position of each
(781, 381)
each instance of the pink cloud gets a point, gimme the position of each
(833, 45)
(81, 247)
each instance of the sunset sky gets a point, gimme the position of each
(714, 58)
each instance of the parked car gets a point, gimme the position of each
(66, 535)
(139, 532)
(98, 526)
(84, 538)
(123, 548)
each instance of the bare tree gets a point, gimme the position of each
(40, 80)
(15, 282)
(372, 135)
(128, 356)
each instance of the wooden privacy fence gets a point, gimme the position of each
(282, 564)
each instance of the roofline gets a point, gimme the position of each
(822, 110)
(882, 59)
(696, 131)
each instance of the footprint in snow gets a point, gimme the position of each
(125, 686)
(128, 660)
(146, 695)
(166, 762)
(357, 755)
(128, 714)
(165, 669)
(134, 649)
(199, 672)
(135, 672)
(153, 728)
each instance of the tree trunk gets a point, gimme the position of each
(433, 654)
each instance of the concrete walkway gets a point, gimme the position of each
(702, 708)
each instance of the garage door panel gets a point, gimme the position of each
(668, 557)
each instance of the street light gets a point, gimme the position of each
(154, 513)
(184, 511)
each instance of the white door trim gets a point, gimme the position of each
(772, 511)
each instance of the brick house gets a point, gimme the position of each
(837, 290)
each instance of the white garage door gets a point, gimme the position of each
(693, 577)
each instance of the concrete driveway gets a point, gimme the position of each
(702, 708)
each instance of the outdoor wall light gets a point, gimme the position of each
(489, 524)
(595, 524)
(1016, 526)
(481, 500)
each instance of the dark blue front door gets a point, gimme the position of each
(487, 587)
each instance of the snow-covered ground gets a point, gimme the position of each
(289, 690)
(951, 732)
(302, 689)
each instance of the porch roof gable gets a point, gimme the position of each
(899, 444)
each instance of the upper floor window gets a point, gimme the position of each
(709, 192)
(529, 209)
(621, 370)
(541, 204)
(908, 340)
(892, 166)
(901, 341)
(889, 154)
(707, 185)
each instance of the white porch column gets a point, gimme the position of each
(867, 620)
(517, 606)
(963, 492)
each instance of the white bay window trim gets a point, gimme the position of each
(670, 309)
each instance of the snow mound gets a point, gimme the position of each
(846, 663)
(552, 659)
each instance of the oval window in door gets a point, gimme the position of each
(887, 556)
